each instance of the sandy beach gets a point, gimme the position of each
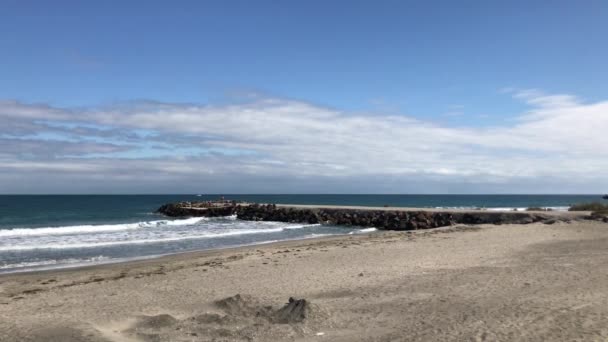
(479, 283)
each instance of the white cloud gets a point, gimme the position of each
(559, 138)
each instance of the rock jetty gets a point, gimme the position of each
(379, 218)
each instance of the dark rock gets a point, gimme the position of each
(293, 312)
(527, 220)
(381, 219)
(185, 209)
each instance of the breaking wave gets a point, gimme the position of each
(105, 240)
(84, 229)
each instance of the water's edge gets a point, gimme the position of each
(51, 231)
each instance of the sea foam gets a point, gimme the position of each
(84, 229)
(86, 241)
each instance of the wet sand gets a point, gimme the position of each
(510, 282)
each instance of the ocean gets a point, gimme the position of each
(54, 231)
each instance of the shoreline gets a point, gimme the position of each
(559, 215)
(434, 284)
(159, 257)
(218, 252)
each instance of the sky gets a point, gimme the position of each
(303, 97)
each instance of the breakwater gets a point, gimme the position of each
(381, 218)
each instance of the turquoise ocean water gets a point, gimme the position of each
(48, 231)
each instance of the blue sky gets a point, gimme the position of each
(453, 68)
(422, 57)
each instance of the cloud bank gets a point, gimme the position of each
(272, 145)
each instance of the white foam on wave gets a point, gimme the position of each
(84, 229)
(182, 222)
(310, 236)
(459, 208)
(302, 226)
(43, 263)
(197, 235)
(363, 231)
(504, 209)
(562, 208)
(526, 208)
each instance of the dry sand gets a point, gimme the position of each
(527, 282)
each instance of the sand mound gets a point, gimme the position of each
(156, 322)
(239, 318)
(246, 306)
(79, 333)
(295, 311)
(212, 318)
